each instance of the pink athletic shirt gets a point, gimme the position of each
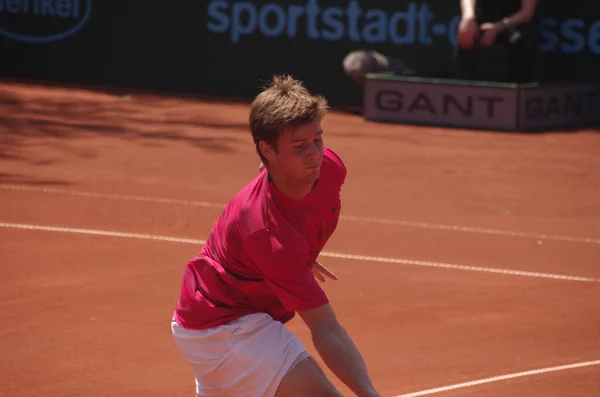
(260, 252)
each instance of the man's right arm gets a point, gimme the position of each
(468, 29)
(467, 8)
(338, 351)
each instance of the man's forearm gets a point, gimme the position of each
(516, 19)
(340, 354)
(467, 8)
(525, 13)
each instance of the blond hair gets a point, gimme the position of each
(285, 103)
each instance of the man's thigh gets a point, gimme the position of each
(306, 379)
(247, 357)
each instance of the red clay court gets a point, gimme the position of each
(469, 261)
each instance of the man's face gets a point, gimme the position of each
(299, 153)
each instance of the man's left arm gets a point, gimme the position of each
(491, 30)
(338, 351)
(525, 14)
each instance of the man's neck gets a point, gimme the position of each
(291, 191)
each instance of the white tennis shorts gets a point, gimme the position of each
(247, 357)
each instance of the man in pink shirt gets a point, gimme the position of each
(259, 265)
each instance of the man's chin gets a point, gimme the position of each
(314, 174)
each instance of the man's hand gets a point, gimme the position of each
(320, 272)
(490, 32)
(468, 33)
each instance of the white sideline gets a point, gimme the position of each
(499, 378)
(424, 225)
(325, 254)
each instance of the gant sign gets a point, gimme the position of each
(481, 105)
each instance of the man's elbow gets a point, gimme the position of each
(528, 15)
(528, 10)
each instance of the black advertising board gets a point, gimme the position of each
(229, 47)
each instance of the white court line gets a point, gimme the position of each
(423, 225)
(101, 233)
(111, 196)
(499, 378)
(458, 228)
(325, 254)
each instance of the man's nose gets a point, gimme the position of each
(314, 150)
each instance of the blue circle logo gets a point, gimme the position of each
(47, 14)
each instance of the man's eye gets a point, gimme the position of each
(299, 146)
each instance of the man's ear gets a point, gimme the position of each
(266, 150)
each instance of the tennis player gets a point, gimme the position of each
(259, 266)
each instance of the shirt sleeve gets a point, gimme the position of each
(286, 267)
(336, 164)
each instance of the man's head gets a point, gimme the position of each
(358, 64)
(285, 121)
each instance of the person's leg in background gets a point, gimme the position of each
(467, 62)
(523, 55)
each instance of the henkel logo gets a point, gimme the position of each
(42, 21)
